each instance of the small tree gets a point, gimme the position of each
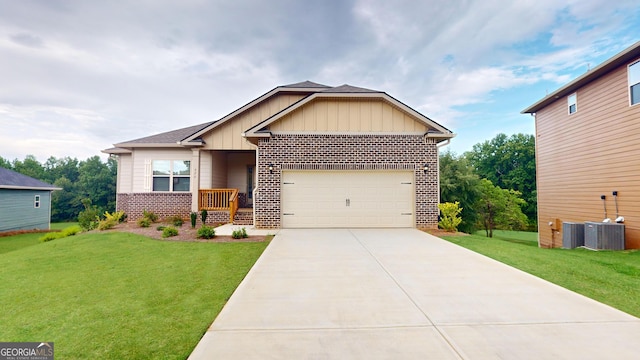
(203, 216)
(450, 216)
(499, 208)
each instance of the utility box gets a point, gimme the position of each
(572, 235)
(603, 236)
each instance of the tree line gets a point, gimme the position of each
(90, 181)
(495, 184)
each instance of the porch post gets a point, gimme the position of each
(195, 178)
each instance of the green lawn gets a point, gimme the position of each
(11, 243)
(118, 295)
(611, 277)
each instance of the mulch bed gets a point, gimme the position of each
(185, 233)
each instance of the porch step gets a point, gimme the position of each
(244, 216)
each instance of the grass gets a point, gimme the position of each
(118, 295)
(611, 277)
(16, 242)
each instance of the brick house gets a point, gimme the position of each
(301, 155)
(588, 150)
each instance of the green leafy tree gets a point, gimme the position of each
(65, 204)
(499, 208)
(4, 163)
(459, 183)
(509, 163)
(97, 181)
(30, 167)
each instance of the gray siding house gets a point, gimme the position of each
(25, 202)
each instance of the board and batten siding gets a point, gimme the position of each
(228, 136)
(590, 153)
(17, 211)
(125, 173)
(348, 115)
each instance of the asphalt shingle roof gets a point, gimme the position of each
(169, 137)
(12, 179)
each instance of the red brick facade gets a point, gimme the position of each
(347, 152)
(164, 205)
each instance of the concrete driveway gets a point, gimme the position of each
(404, 294)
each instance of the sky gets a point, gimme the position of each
(77, 76)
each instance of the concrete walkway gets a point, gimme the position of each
(404, 294)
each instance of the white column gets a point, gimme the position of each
(195, 178)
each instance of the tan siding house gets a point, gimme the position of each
(588, 146)
(301, 155)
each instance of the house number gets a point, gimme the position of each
(348, 202)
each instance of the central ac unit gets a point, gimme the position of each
(603, 236)
(572, 235)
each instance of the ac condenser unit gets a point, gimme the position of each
(603, 236)
(572, 235)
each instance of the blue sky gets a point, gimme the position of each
(78, 76)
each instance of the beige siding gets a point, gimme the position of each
(206, 170)
(219, 170)
(237, 173)
(348, 115)
(125, 176)
(228, 136)
(142, 157)
(587, 154)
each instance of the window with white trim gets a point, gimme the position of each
(171, 175)
(634, 83)
(572, 103)
(36, 201)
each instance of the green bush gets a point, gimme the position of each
(239, 233)
(90, 216)
(203, 216)
(107, 224)
(160, 228)
(144, 222)
(176, 220)
(450, 216)
(116, 216)
(69, 231)
(150, 215)
(206, 232)
(194, 218)
(169, 231)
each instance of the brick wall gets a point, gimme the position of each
(347, 152)
(162, 204)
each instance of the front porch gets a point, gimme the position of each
(226, 201)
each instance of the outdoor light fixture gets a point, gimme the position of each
(425, 168)
(270, 168)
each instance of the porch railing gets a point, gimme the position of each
(219, 200)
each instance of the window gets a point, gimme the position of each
(634, 83)
(572, 102)
(171, 175)
(36, 201)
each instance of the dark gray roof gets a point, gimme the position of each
(169, 137)
(10, 179)
(305, 84)
(349, 89)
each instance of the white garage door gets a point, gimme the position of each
(342, 199)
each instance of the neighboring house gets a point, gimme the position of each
(588, 146)
(301, 155)
(25, 203)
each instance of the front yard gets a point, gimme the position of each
(117, 295)
(611, 277)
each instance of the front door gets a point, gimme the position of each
(250, 183)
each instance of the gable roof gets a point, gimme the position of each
(436, 130)
(10, 179)
(301, 87)
(624, 57)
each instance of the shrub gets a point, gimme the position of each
(239, 233)
(144, 222)
(161, 228)
(203, 216)
(150, 215)
(169, 231)
(450, 219)
(90, 216)
(69, 231)
(176, 220)
(116, 216)
(194, 218)
(206, 232)
(107, 224)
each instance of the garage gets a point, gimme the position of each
(341, 199)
